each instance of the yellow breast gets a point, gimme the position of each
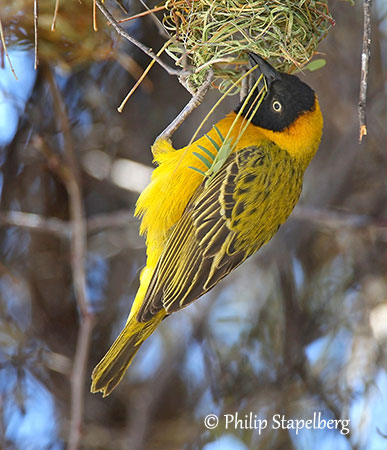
(173, 183)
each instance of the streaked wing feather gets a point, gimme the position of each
(187, 268)
(201, 249)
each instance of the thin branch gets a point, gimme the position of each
(62, 228)
(134, 69)
(122, 8)
(142, 14)
(123, 218)
(195, 101)
(163, 31)
(3, 439)
(148, 51)
(110, 220)
(95, 24)
(140, 79)
(365, 57)
(36, 18)
(53, 24)
(336, 219)
(35, 222)
(78, 381)
(5, 49)
(78, 257)
(70, 178)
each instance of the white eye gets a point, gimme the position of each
(276, 105)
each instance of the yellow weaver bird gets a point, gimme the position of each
(197, 232)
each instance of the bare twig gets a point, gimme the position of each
(140, 80)
(35, 222)
(148, 51)
(3, 439)
(134, 68)
(5, 49)
(116, 219)
(70, 178)
(55, 15)
(36, 18)
(95, 25)
(78, 381)
(365, 57)
(163, 31)
(78, 256)
(336, 219)
(189, 107)
(62, 228)
(142, 14)
(122, 8)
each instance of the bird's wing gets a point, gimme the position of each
(203, 247)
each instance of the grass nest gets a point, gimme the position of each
(220, 33)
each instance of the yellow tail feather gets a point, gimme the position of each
(110, 370)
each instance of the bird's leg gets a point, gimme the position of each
(195, 101)
(162, 145)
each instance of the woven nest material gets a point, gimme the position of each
(217, 33)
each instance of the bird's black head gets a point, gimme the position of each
(286, 99)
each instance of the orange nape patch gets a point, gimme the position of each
(302, 138)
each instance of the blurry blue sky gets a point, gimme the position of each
(14, 93)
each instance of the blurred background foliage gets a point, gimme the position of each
(300, 327)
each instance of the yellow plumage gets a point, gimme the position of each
(197, 234)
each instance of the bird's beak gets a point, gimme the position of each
(265, 68)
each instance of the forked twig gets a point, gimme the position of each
(148, 51)
(78, 256)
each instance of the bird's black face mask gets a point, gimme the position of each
(286, 99)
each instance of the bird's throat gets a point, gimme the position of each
(302, 138)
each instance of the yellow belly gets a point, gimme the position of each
(173, 183)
